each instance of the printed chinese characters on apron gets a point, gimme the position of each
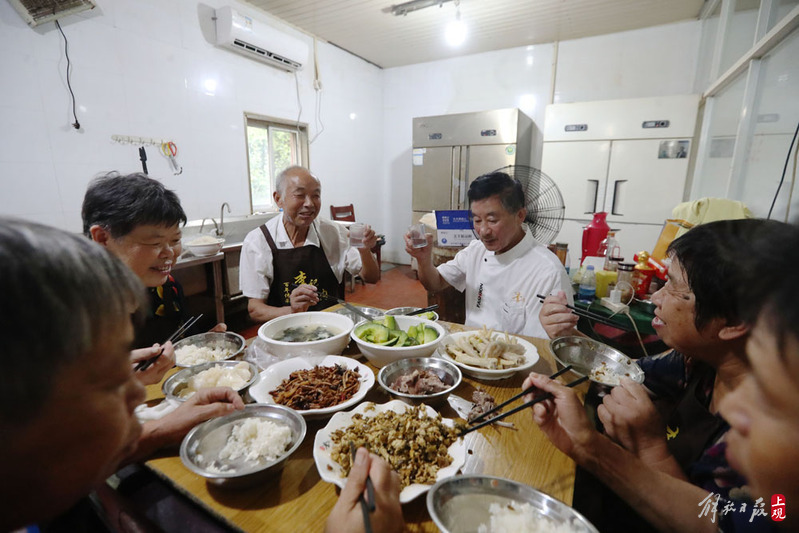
(295, 266)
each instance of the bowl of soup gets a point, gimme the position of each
(306, 334)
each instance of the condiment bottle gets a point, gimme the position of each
(624, 283)
(643, 275)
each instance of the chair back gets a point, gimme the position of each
(345, 213)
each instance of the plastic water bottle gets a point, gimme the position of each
(587, 291)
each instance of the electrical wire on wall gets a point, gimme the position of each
(75, 124)
(299, 103)
(317, 85)
(782, 179)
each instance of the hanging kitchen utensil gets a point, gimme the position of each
(170, 150)
(143, 159)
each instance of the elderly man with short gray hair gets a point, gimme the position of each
(289, 264)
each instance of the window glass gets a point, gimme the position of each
(784, 7)
(740, 35)
(717, 156)
(777, 115)
(710, 28)
(271, 147)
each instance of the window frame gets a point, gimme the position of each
(273, 124)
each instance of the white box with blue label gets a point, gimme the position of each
(453, 228)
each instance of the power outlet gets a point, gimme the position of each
(615, 307)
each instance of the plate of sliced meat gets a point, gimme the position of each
(314, 386)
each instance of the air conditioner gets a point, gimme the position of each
(258, 40)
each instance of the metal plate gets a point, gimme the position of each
(461, 504)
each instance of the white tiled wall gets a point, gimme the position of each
(140, 68)
(651, 62)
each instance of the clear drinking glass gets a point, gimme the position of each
(357, 233)
(418, 235)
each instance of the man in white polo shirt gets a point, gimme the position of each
(289, 264)
(503, 271)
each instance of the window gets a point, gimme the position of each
(271, 147)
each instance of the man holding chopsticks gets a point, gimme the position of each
(663, 459)
(501, 272)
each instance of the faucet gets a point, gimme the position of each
(217, 232)
(221, 229)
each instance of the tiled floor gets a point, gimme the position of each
(398, 287)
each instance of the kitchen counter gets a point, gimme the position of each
(189, 260)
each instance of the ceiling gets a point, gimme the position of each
(367, 28)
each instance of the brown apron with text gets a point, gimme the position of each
(296, 266)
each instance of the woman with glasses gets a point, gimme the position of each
(668, 433)
(138, 220)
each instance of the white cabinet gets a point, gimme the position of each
(629, 158)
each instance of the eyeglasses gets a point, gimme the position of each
(683, 294)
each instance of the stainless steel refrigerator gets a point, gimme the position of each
(450, 151)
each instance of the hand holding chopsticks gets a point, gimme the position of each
(590, 315)
(532, 402)
(144, 365)
(366, 507)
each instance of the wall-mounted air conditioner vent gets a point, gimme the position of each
(36, 12)
(258, 40)
(250, 49)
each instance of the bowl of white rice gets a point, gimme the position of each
(245, 447)
(204, 245)
(208, 348)
(238, 375)
(487, 504)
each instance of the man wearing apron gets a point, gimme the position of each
(294, 261)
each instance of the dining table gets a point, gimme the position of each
(297, 499)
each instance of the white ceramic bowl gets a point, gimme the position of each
(204, 250)
(330, 346)
(530, 356)
(383, 355)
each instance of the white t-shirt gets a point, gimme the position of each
(256, 270)
(501, 289)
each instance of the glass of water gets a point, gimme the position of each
(357, 233)
(418, 235)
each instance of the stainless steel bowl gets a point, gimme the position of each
(371, 312)
(200, 449)
(462, 503)
(447, 372)
(174, 384)
(227, 339)
(406, 310)
(586, 355)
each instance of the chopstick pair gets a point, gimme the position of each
(144, 365)
(592, 316)
(525, 405)
(423, 310)
(366, 507)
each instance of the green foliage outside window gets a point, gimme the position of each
(271, 149)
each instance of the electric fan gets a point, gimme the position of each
(542, 199)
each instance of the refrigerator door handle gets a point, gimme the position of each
(591, 206)
(616, 191)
